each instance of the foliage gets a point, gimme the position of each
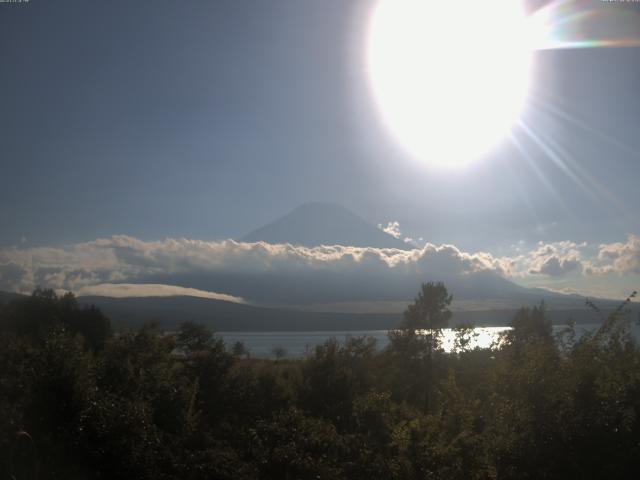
(148, 404)
(41, 313)
(415, 348)
(430, 310)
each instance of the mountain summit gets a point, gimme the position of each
(314, 224)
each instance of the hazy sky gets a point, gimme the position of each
(206, 119)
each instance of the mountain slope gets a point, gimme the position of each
(6, 297)
(226, 316)
(315, 224)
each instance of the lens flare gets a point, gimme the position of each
(449, 79)
(570, 24)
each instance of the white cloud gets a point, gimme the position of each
(619, 258)
(565, 291)
(115, 264)
(556, 267)
(124, 259)
(555, 259)
(392, 228)
(123, 290)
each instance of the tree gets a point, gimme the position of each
(279, 352)
(530, 324)
(421, 328)
(194, 337)
(335, 375)
(418, 338)
(430, 310)
(35, 317)
(239, 349)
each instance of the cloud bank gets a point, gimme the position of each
(123, 259)
(116, 266)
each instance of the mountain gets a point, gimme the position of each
(364, 295)
(315, 224)
(227, 316)
(324, 290)
(6, 297)
(224, 316)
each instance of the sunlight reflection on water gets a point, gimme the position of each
(297, 344)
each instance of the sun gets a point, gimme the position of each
(449, 78)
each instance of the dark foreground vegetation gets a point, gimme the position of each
(145, 405)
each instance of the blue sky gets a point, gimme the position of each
(206, 119)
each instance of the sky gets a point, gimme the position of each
(206, 119)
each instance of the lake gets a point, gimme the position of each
(296, 344)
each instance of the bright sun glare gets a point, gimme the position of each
(450, 78)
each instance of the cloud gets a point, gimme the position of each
(392, 228)
(284, 273)
(555, 259)
(565, 291)
(619, 258)
(556, 267)
(124, 259)
(123, 290)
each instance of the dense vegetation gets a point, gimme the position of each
(145, 405)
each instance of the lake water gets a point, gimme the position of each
(296, 344)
